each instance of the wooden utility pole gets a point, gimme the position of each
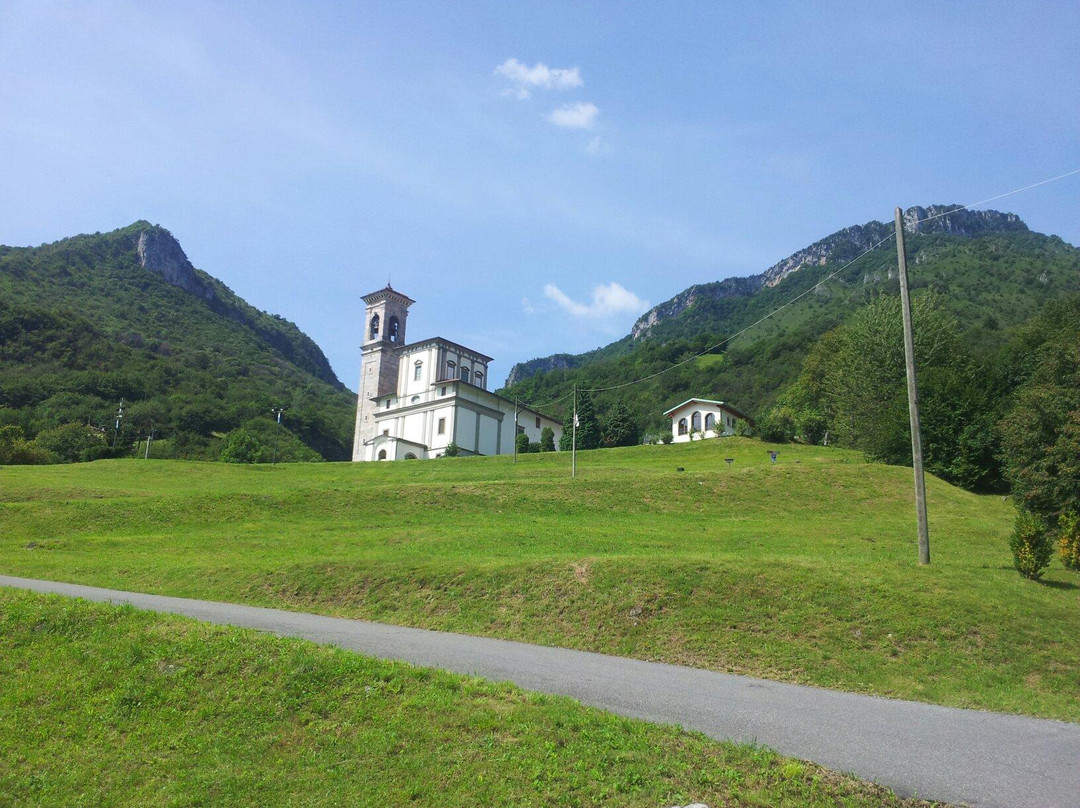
(912, 395)
(573, 439)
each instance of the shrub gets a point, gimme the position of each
(743, 428)
(547, 439)
(1031, 545)
(521, 442)
(667, 438)
(452, 450)
(1069, 541)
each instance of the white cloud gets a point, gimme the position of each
(581, 115)
(606, 301)
(539, 75)
(527, 306)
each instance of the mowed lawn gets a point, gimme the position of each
(804, 571)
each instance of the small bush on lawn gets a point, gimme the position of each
(1031, 545)
(1069, 541)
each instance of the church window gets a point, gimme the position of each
(410, 456)
(479, 379)
(417, 370)
(374, 326)
(710, 421)
(382, 454)
(387, 403)
(538, 422)
(464, 373)
(393, 330)
(414, 399)
(442, 426)
(682, 426)
(695, 422)
(442, 391)
(451, 369)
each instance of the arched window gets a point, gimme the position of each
(374, 326)
(478, 379)
(382, 454)
(682, 426)
(410, 456)
(710, 422)
(451, 369)
(695, 422)
(392, 330)
(464, 373)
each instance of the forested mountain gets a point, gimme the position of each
(93, 319)
(986, 270)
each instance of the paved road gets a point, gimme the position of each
(940, 753)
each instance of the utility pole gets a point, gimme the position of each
(149, 440)
(913, 395)
(516, 408)
(277, 431)
(573, 439)
(116, 429)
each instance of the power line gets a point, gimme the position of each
(1001, 196)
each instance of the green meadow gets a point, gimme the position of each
(804, 571)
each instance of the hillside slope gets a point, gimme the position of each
(991, 271)
(92, 319)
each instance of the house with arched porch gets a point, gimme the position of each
(702, 418)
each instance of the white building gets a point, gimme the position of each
(704, 418)
(416, 399)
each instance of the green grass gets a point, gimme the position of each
(105, 705)
(804, 571)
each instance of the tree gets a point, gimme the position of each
(547, 439)
(69, 442)
(619, 428)
(522, 443)
(240, 447)
(588, 429)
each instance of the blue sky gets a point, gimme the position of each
(534, 175)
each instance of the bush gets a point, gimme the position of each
(1069, 541)
(452, 450)
(743, 428)
(667, 438)
(240, 447)
(777, 426)
(1031, 545)
(547, 439)
(521, 442)
(812, 426)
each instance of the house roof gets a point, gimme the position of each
(457, 346)
(723, 404)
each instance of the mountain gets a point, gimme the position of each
(991, 271)
(93, 319)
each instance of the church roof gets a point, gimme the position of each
(386, 291)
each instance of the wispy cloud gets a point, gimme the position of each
(523, 77)
(607, 300)
(581, 115)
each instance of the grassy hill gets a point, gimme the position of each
(991, 281)
(104, 705)
(803, 571)
(92, 319)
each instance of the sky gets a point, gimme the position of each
(534, 175)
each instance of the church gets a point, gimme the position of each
(416, 399)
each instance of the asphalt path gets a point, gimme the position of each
(937, 753)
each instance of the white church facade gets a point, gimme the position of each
(416, 399)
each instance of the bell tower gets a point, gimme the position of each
(384, 333)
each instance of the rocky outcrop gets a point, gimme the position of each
(160, 252)
(729, 287)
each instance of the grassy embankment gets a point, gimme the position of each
(804, 571)
(110, 706)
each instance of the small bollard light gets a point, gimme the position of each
(729, 460)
